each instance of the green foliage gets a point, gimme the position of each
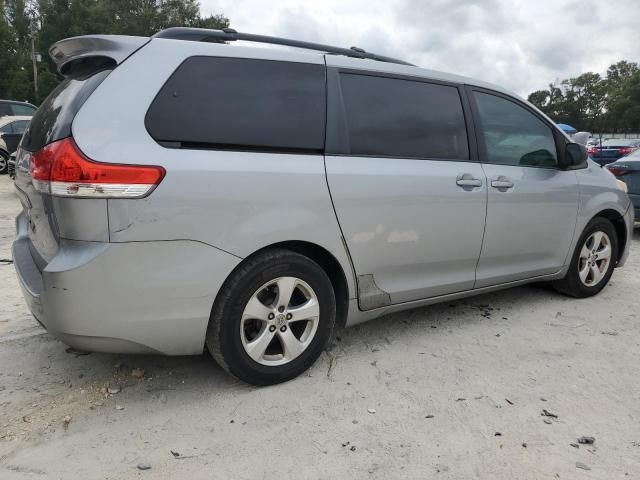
(593, 103)
(47, 21)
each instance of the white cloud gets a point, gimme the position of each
(519, 44)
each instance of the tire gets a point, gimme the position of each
(572, 284)
(233, 329)
(4, 163)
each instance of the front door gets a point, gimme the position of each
(532, 204)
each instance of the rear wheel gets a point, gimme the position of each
(272, 318)
(593, 260)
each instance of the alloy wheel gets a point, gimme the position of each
(279, 321)
(595, 257)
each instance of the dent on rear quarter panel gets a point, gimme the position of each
(82, 218)
(238, 202)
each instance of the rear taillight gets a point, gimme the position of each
(626, 150)
(592, 151)
(61, 169)
(618, 170)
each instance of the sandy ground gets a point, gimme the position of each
(453, 391)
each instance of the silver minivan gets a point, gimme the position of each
(187, 190)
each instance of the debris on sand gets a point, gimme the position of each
(547, 413)
(77, 353)
(137, 373)
(66, 421)
(174, 453)
(113, 390)
(144, 466)
(509, 401)
(586, 440)
(371, 410)
(428, 416)
(582, 466)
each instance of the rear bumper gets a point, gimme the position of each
(135, 297)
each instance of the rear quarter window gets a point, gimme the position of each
(244, 104)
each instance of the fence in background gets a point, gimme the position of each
(616, 135)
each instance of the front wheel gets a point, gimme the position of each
(272, 318)
(593, 260)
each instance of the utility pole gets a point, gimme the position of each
(35, 65)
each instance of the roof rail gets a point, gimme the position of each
(231, 35)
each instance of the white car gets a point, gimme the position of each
(11, 130)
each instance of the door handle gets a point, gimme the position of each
(468, 181)
(501, 183)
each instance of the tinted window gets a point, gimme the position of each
(52, 120)
(403, 118)
(20, 109)
(20, 126)
(8, 128)
(232, 103)
(5, 109)
(513, 135)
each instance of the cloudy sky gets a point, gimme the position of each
(520, 44)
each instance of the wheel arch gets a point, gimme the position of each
(618, 223)
(327, 262)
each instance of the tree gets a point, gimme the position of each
(48, 21)
(624, 105)
(590, 102)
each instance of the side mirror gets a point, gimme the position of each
(575, 155)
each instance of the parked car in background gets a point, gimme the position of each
(627, 169)
(11, 165)
(11, 131)
(252, 199)
(613, 149)
(14, 108)
(594, 142)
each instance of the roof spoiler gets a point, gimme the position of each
(115, 48)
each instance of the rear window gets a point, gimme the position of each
(53, 119)
(20, 126)
(621, 142)
(20, 109)
(403, 118)
(5, 109)
(245, 104)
